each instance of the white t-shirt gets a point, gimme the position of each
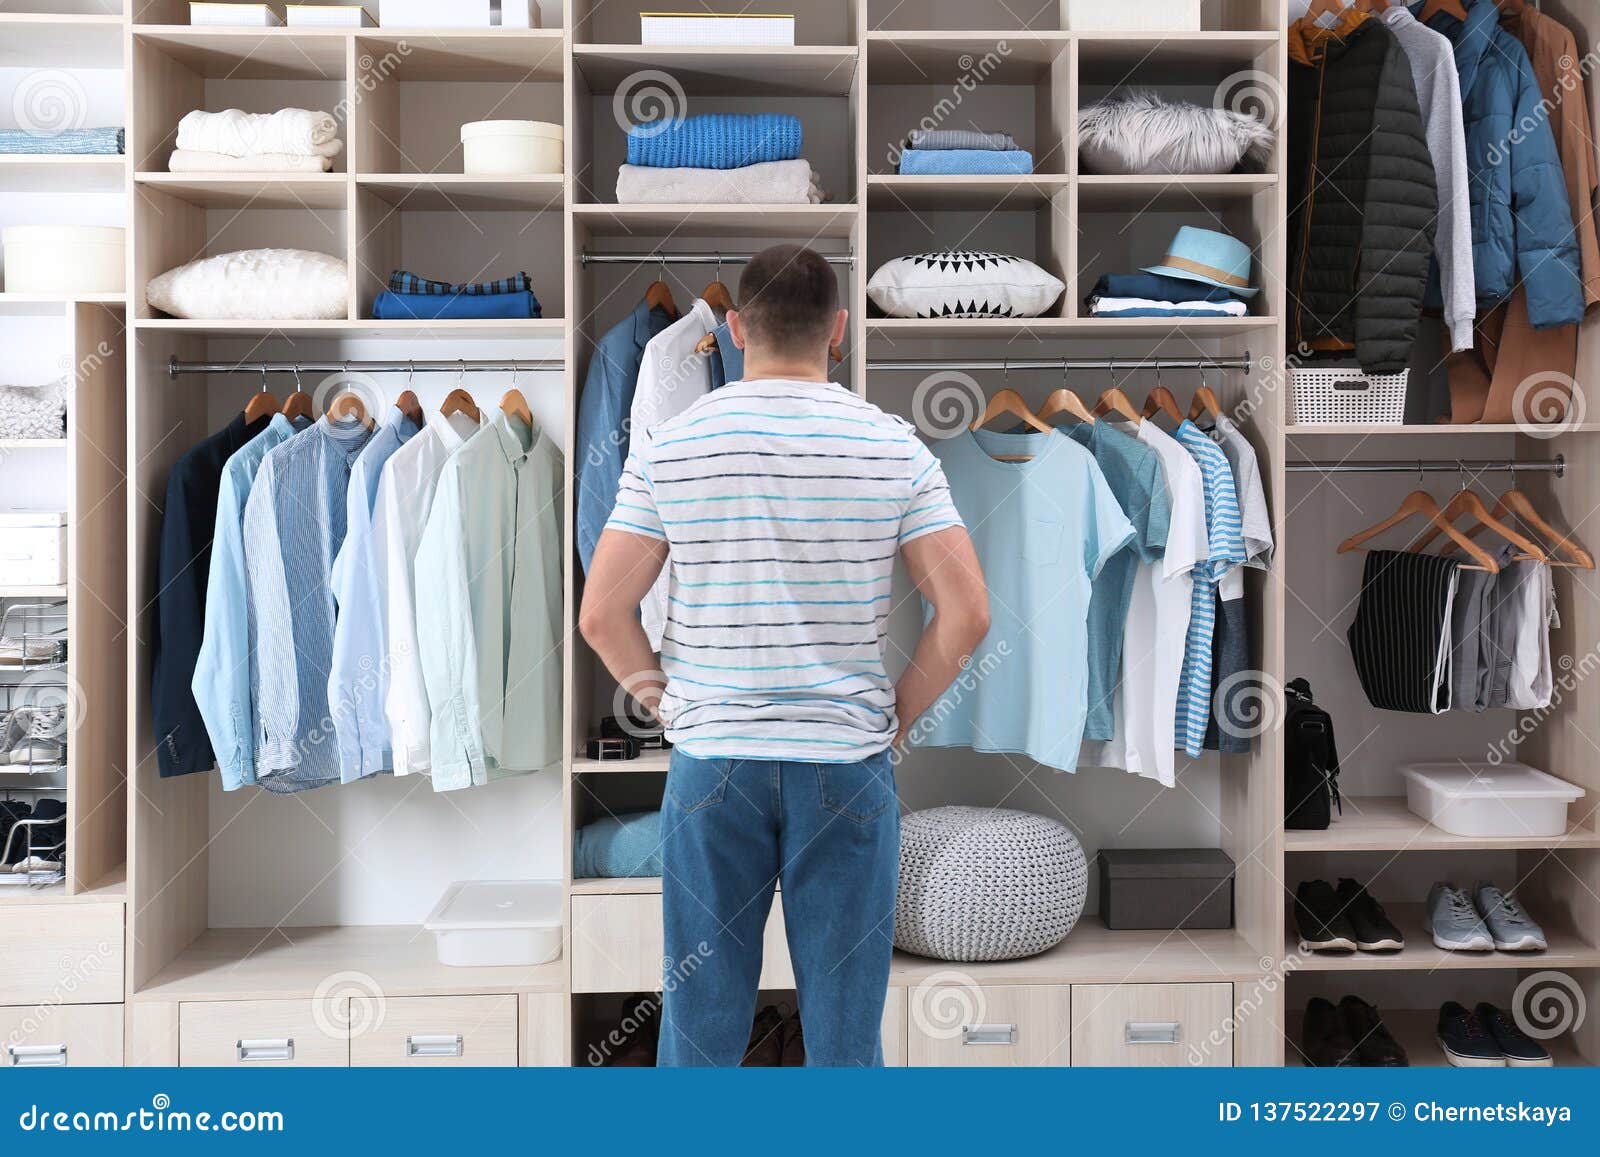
(672, 377)
(1145, 709)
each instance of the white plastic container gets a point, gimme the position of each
(1133, 16)
(63, 260)
(510, 148)
(33, 548)
(1482, 799)
(478, 923)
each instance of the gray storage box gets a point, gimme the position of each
(1166, 888)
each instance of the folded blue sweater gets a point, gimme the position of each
(966, 162)
(1157, 287)
(389, 306)
(618, 846)
(715, 141)
(101, 142)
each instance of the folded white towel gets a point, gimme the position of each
(297, 131)
(1220, 308)
(767, 183)
(191, 161)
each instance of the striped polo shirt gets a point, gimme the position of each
(783, 505)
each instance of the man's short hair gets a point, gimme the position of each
(788, 298)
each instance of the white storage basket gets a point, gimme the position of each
(1482, 799)
(1343, 395)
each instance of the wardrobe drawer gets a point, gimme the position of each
(1152, 1025)
(267, 1033)
(53, 1035)
(474, 1031)
(61, 953)
(988, 1025)
(617, 945)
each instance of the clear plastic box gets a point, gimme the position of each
(1485, 799)
(494, 922)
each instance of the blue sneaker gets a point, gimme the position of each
(1454, 922)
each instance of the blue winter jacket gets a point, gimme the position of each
(1521, 218)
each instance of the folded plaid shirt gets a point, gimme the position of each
(402, 282)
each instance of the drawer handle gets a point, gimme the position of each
(988, 1034)
(1151, 1032)
(37, 1056)
(444, 1044)
(269, 1049)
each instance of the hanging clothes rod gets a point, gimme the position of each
(656, 258)
(1234, 363)
(1556, 466)
(520, 365)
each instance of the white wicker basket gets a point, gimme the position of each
(1345, 396)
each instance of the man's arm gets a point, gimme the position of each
(622, 571)
(944, 567)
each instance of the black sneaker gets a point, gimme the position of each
(1375, 932)
(1465, 1039)
(1324, 1038)
(1323, 924)
(1376, 1047)
(1521, 1051)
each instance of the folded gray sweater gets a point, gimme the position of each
(959, 139)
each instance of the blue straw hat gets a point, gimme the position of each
(1208, 257)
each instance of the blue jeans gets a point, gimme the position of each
(730, 830)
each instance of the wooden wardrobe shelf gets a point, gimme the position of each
(48, 39)
(777, 70)
(54, 172)
(454, 328)
(1434, 429)
(1139, 193)
(250, 53)
(1383, 823)
(537, 192)
(252, 190)
(652, 761)
(1415, 1029)
(1030, 191)
(1108, 327)
(1567, 950)
(789, 222)
(943, 58)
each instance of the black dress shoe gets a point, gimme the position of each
(1324, 1038)
(1375, 932)
(766, 1040)
(1376, 1047)
(794, 1043)
(1320, 917)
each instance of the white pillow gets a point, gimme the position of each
(272, 284)
(958, 283)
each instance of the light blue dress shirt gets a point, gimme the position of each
(355, 685)
(224, 671)
(294, 523)
(603, 408)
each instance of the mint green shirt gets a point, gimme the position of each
(488, 598)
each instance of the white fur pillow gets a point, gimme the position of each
(1141, 132)
(958, 283)
(272, 284)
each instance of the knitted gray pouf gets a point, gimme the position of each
(986, 884)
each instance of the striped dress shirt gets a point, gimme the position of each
(783, 505)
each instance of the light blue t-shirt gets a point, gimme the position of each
(1133, 471)
(1043, 530)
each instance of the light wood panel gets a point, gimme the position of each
(61, 954)
(264, 1034)
(989, 1026)
(1152, 1025)
(617, 945)
(438, 1032)
(546, 1030)
(71, 1035)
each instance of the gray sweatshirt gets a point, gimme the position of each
(1433, 67)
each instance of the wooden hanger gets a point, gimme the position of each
(298, 404)
(1515, 504)
(1421, 502)
(408, 405)
(513, 404)
(263, 404)
(658, 294)
(348, 407)
(1453, 7)
(1466, 502)
(1205, 402)
(1161, 400)
(1064, 401)
(1114, 401)
(1008, 401)
(458, 401)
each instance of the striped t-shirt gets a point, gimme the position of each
(783, 505)
(1225, 530)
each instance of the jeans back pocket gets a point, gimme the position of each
(695, 784)
(860, 791)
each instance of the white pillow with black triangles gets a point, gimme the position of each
(961, 283)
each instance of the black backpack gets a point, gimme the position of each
(1310, 762)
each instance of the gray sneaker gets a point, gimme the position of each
(1454, 922)
(1509, 923)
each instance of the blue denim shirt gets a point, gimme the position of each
(602, 419)
(223, 671)
(294, 524)
(727, 364)
(355, 683)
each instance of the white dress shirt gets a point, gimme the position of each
(672, 377)
(405, 496)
